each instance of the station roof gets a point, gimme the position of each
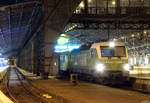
(16, 21)
(18, 16)
(136, 40)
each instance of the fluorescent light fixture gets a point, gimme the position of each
(89, 1)
(81, 5)
(132, 35)
(145, 32)
(63, 34)
(113, 2)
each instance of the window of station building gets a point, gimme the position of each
(111, 3)
(92, 6)
(111, 6)
(92, 3)
(139, 3)
(124, 3)
(147, 3)
(107, 5)
(134, 3)
(101, 3)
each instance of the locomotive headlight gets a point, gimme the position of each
(100, 67)
(127, 67)
(112, 44)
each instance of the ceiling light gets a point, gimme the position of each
(2, 8)
(114, 39)
(113, 2)
(145, 32)
(122, 37)
(132, 35)
(81, 4)
(63, 34)
(89, 1)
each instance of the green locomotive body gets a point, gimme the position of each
(100, 62)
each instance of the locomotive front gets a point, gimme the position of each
(112, 62)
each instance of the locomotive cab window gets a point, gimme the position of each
(118, 51)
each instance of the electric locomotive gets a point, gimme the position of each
(104, 62)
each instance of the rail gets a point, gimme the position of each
(8, 89)
(26, 89)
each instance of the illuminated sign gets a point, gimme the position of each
(63, 39)
(64, 48)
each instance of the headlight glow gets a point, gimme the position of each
(100, 67)
(127, 67)
(112, 44)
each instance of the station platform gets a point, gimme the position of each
(136, 73)
(88, 92)
(3, 97)
(31, 75)
(140, 72)
(91, 93)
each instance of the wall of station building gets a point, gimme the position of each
(32, 57)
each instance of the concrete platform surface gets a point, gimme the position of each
(91, 93)
(4, 98)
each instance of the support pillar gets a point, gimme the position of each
(56, 14)
(86, 6)
(49, 40)
(118, 9)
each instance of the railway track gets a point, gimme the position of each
(54, 98)
(20, 91)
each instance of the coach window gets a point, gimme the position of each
(95, 52)
(92, 53)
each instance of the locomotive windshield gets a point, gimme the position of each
(118, 51)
